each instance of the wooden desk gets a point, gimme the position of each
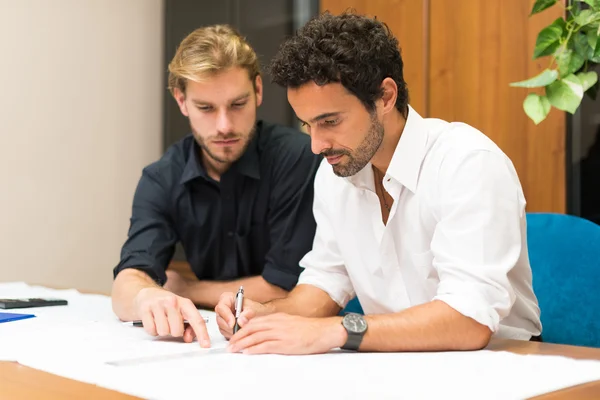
(19, 382)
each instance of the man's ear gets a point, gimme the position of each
(180, 99)
(389, 91)
(258, 85)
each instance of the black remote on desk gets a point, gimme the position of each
(30, 303)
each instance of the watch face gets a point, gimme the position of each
(355, 323)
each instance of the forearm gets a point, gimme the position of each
(306, 301)
(207, 293)
(126, 286)
(434, 326)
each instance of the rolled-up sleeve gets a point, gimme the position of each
(151, 238)
(478, 238)
(324, 266)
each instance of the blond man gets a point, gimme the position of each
(236, 193)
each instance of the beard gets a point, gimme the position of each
(225, 154)
(360, 157)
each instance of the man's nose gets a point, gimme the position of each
(224, 123)
(318, 143)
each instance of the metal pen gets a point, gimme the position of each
(239, 301)
(139, 323)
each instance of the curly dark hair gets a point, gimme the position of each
(356, 51)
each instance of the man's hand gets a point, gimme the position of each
(288, 334)
(225, 310)
(163, 312)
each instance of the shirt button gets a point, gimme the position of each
(230, 234)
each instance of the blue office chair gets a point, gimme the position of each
(352, 306)
(564, 252)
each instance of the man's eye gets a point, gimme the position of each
(204, 108)
(330, 122)
(305, 126)
(238, 105)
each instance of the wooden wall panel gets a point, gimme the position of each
(460, 56)
(477, 47)
(407, 21)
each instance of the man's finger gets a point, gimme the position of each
(148, 322)
(175, 320)
(223, 327)
(226, 314)
(189, 335)
(160, 320)
(266, 347)
(252, 340)
(252, 327)
(246, 316)
(196, 322)
(221, 322)
(228, 299)
(224, 308)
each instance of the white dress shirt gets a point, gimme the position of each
(456, 231)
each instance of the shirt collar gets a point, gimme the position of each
(248, 164)
(193, 167)
(405, 165)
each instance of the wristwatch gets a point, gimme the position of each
(356, 326)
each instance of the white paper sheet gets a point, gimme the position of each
(86, 342)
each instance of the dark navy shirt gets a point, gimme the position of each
(257, 220)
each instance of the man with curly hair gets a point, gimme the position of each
(421, 219)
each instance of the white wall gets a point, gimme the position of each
(80, 115)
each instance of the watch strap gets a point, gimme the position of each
(353, 342)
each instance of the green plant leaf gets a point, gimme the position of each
(585, 17)
(593, 91)
(548, 39)
(541, 5)
(536, 107)
(593, 40)
(581, 46)
(589, 46)
(544, 79)
(565, 94)
(587, 79)
(568, 62)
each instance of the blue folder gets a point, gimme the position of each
(7, 317)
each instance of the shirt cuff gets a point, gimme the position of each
(330, 285)
(283, 279)
(472, 301)
(139, 262)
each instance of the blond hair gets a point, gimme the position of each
(208, 51)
